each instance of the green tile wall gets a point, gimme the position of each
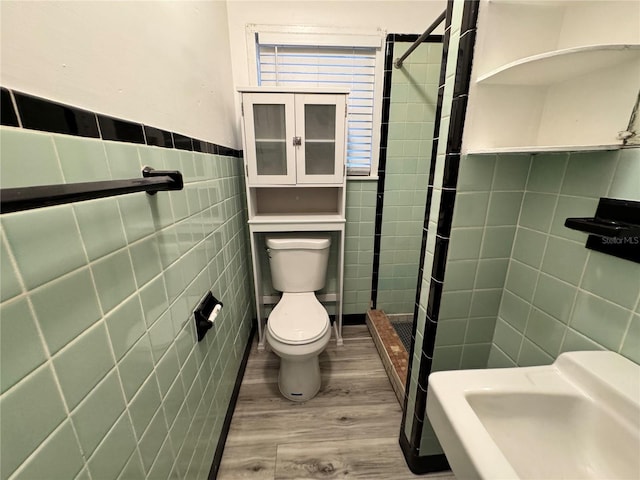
(486, 211)
(101, 371)
(358, 255)
(559, 296)
(520, 288)
(414, 97)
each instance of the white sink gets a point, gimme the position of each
(576, 419)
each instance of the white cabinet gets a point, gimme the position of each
(294, 138)
(294, 151)
(553, 75)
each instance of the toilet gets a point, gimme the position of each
(298, 328)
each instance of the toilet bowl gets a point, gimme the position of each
(299, 343)
(298, 328)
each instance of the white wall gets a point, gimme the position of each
(166, 64)
(394, 16)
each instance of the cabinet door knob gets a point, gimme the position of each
(297, 141)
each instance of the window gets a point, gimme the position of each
(323, 59)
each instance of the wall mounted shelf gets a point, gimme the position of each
(292, 218)
(543, 149)
(534, 3)
(552, 76)
(560, 65)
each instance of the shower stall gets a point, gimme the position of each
(409, 112)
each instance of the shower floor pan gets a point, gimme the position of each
(390, 347)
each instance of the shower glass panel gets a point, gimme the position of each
(414, 96)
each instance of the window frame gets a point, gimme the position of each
(328, 37)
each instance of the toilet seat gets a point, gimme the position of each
(298, 319)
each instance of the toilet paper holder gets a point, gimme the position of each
(205, 314)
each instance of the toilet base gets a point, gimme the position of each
(299, 373)
(299, 380)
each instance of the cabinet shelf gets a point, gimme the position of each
(561, 65)
(542, 149)
(270, 140)
(288, 218)
(318, 140)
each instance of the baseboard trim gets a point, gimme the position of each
(422, 464)
(354, 319)
(351, 319)
(217, 457)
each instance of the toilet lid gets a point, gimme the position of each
(298, 318)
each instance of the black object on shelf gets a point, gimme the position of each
(27, 198)
(615, 229)
(202, 314)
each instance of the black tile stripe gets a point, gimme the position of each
(8, 115)
(411, 445)
(420, 465)
(439, 258)
(402, 37)
(447, 22)
(44, 115)
(414, 438)
(157, 137)
(225, 151)
(433, 309)
(182, 142)
(445, 217)
(120, 130)
(451, 169)
(39, 114)
(382, 162)
(464, 65)
(456, 124)
(469, 16)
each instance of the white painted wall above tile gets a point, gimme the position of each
(165, 64)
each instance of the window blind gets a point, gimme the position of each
(310, 66)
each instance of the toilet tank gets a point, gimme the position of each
(298, 264)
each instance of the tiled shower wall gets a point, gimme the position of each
(558, 295)
(414, 96)
(102, 373)
(487, 205)
(358, 255)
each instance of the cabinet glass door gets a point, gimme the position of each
(269, 130)
(319, 122)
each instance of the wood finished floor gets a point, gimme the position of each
(348, 431)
